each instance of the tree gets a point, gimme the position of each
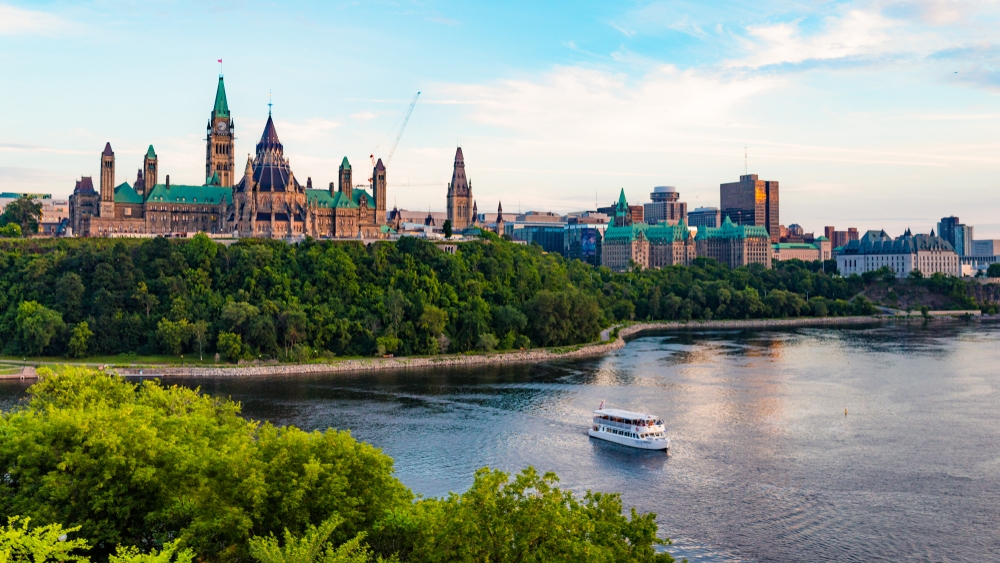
(41, 544)
(37, 325)
(230, 346)
(79, 340)
(312, 546)
(13, 230)
(25, 211)
(447, 228)
(134, 464)
(144, 298)
(916, 274)
(199, 331)
(173, 335)
(563, 317)
(993, 271)
(529, 519)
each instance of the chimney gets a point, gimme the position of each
(168, 181)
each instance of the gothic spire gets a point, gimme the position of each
(221, 108)
(459, 183)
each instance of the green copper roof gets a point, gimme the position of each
(661, 233)
(794, 245)
(221, 105)
(150, 153)
(322, 198)
(124, 193)
(204, 195)
(821, 238)
(622, 204)
(345, 165)
(731, 230)
(214, 179)
(386, 230)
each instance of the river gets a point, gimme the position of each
(765, 464)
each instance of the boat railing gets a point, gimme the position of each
(622, 425)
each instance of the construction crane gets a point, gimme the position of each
(406, 119)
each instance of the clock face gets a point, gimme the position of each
(221, 127)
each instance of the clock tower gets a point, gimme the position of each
(219, 153)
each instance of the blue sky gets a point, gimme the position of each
(871, 114)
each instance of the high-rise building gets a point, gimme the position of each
(704, 216)
(986, 248)
(960, 236)
(666, 206)
(459, 195)
(751, 202)
(840, 238)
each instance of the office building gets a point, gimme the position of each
(752, 202)
(704, 216)
(735, 245)
(986, 248)
(840, 238)
(928, 253)
(665, 207)
(807, 252)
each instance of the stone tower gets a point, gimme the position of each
(107, 182)
(345, 178)
(500, 221)
(150, 171)
(219, 155)
(378, 192)
(459, 195)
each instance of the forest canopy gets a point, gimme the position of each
(269, 299)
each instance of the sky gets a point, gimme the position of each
(870, 114)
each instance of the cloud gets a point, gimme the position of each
(855, 34)
(624, 31)
(576, 104)
(364, 115)
(443, 21)
(18, 21)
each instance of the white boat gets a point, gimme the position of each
(634, 429)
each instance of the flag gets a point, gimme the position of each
(220, 60)
(601, 408)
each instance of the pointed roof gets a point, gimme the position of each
(150, 153)
(107, 150)
(269, 139)
(378, 165)
(459, 183)
(344, 165)
(621, 200)
(499, 211)
(221, 108)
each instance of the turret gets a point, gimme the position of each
(151, 171)
(346, 187)
(378, 191)
(107, 182)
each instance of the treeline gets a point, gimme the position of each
(268, 299)
(98, 469)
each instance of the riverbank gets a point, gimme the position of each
(624, 334)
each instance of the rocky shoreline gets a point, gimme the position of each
(498, 358)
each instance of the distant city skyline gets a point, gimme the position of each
(870, 114)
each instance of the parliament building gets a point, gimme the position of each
(266, 202)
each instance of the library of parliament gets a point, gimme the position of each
(268, 201)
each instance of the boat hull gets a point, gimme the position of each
(631, 442)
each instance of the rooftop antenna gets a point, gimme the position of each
(269, 103)
(745, 169)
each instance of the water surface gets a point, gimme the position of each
(765, 465)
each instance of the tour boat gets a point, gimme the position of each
(635, 429)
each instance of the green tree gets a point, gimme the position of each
(79, 340)
(563, 317)
(133, 465)
(993, 271)
(529, 519)
(25, 211)
(37, 325)
(230, 346)
(12, 230)
(199, 332)
(447, 228)
(173, 335)
(312, 547)
(20, 543)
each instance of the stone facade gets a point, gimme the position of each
(628, 242)
(460, 201)
(735, 245)
(875, 250)
(268, 201)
